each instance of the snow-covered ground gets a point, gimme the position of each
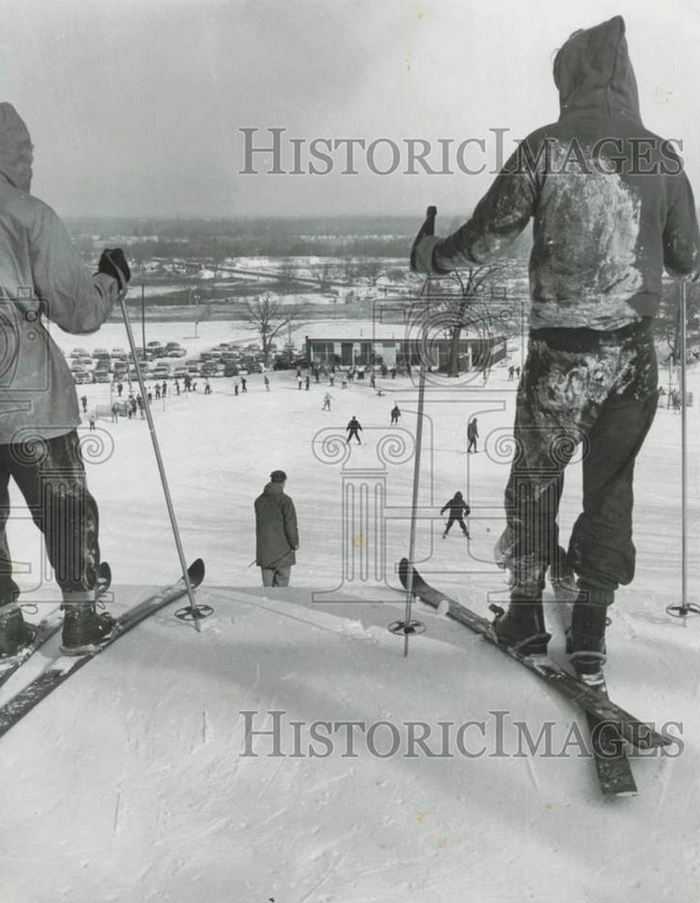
(130, 783)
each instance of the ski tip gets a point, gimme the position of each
(196, 572)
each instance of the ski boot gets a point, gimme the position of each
(84, 628)
(521, 627)
(585, 639)
(15, 633)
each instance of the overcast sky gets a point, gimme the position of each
(135, 108)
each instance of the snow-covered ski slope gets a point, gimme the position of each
(130, 783)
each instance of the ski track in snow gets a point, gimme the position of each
(128, 783)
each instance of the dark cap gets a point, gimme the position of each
(278, 476)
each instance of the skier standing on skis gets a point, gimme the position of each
(472, 435)
(395, 414)
(611, 207)
(353, 429)
(276, 534)
(458, 509)
(39, 446)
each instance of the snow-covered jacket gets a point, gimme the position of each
(276, 534)
(610, 201)
(42, 280)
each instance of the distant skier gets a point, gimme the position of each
(83, 401)
(36, 251)
(207, 387)
(327, 402)
(235, 385)
(458, 509)
(244, 385)
(603, 230)
(300, 380)
(395, 414)
(115, 413)
(157, 390)
(307, 382)
(177, 386)
(354, 429)
(120, 389)
(267, 383)
(92, 422)
(163, 389)
(472, 435)
(276, 532)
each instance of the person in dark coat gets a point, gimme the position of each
(354, 429)
(276, 533)
(458, 509)
(395, 414)
(472, 435)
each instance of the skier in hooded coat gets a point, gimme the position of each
(43, 276)
(612, 207)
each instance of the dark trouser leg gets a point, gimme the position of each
(8, 588)
(601, 550)
(450, 521)
(51, 477)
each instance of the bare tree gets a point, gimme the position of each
(370, 268)
(288, 273)
(350, 270)
(270, 316)
(462, 306)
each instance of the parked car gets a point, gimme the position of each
(208, 368)
(81, 376)
(176, 352)
(102, 376)
(179, 372)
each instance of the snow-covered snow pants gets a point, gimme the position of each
(51, 476)
(593, 394)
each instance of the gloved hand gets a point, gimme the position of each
(113, 263)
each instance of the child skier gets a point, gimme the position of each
(458, 509)
(353, 429)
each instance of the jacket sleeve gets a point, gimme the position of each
(70, 296)
(680, 236)
(289, 517)
(499, 217)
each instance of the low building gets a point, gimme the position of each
(393, 346)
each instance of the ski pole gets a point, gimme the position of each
(684, 609)
(196, 613)
(407, 627)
